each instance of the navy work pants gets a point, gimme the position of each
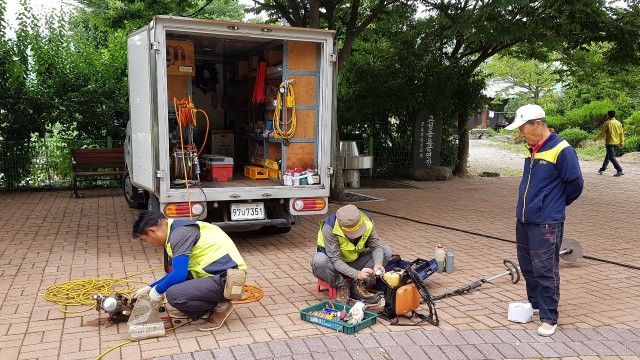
(197, 297)
(538, 247)
(611, 156)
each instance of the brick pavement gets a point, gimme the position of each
(50, 238)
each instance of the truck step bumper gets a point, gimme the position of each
(251, 223)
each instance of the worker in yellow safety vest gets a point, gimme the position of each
(349, 254)
(200, 255)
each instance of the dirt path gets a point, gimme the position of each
(485, 157)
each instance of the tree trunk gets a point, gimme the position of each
(314, 14)
(463, 145)
(337, 186)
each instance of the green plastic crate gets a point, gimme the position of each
(342, 326)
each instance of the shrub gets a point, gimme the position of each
(574, 136)
(631, 144)
(590, 116)
(632, 124)
(557, 122)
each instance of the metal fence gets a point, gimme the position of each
(388, 159)
(43, 163)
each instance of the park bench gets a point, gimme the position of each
(477, 133)
(96, 164)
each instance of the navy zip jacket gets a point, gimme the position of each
(551, 180)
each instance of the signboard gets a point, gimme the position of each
(426, 141)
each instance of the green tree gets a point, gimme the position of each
(531, 79)
(468, 33)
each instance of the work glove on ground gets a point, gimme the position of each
(156, 298)
(142, 291)
(356, 314)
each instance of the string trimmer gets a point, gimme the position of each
(570, 251)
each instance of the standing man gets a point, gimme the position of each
(551, 181)
(348, 246)
(614, 140)
(200, 255)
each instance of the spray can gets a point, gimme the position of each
(315, 177)
(440, 257)
(448, 264)
(288, 177)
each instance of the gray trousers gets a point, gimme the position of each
(323, 269)
(197, 297)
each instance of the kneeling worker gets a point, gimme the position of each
(200, 255)
(348, 246)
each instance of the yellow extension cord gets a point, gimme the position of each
(80, 293)
(290, 125)
(185, 116)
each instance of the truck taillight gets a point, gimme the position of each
(182, 209)
(309, 204)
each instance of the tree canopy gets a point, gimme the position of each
(68, 72)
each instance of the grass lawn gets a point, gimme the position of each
(589, 150)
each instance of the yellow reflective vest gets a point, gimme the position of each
(214, 252)
(348, 250)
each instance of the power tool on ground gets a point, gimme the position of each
(405, 291)
(117, 305)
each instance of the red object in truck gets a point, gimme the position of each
(220, 172)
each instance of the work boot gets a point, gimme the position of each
(359, 292)
(619, 173)
(217, 317)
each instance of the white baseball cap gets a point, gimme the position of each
(524, 114)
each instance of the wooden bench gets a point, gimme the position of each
(96, 164)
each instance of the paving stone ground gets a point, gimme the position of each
(49, 238)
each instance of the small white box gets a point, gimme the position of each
(520, 312)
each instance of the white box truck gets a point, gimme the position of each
(269, 89)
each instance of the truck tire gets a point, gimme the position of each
(131, 194)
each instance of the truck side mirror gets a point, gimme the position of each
(119, 119)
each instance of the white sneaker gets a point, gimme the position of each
(547, 329)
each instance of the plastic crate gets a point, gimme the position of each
(273, 165)
(424, 268)
(256, 173)
(274, 174)
(338, 325)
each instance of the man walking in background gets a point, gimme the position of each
(551, 181)
(614, 140)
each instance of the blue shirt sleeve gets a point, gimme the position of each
(178, 274)
(571, 174)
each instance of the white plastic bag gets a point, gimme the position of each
(520, 312)
(145, 322)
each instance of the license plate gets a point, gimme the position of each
(248, 211)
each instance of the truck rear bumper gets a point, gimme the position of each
(252, 223)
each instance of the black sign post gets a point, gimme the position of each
(426, 141)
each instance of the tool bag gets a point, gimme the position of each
(235, 284)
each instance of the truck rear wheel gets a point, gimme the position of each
(135, 199)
